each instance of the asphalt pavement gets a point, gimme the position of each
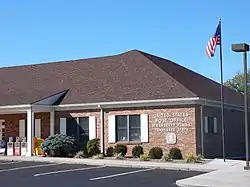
(30, 174)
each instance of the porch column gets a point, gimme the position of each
(30, 132)
(52, 123)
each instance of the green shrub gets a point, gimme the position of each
(62, 144)
(120, 148)
(155, 153)
(144, 157)
(110, 152)
(93, 147)
(175, 153)
(137, 151)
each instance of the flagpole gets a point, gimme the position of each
(222, 98)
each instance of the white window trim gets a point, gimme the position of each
(144, 128)
(111, 129)
(63, 126)
(92, 127)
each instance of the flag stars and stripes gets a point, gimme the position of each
(213, 42)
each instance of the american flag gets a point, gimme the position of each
(213, 42)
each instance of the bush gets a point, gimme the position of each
(120, 148)
(175, 153)
(155, 153)
(137, 151)
(144, 157)
(93, 147)
(110, 152)
(62, 144)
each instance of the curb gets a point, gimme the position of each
(185, 185)
(110, 163)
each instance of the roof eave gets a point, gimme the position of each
(128, 104)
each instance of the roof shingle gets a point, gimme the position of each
(133, 75)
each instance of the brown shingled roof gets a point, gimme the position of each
(133, 75)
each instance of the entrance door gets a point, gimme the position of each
(1, 129)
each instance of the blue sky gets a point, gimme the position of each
(44, 31)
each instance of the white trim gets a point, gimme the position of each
(63, 126)
(30, 132)
(144, 128)
(117, 104)
(121, 104)
(14, 106)
(38, 128)
(111, 129)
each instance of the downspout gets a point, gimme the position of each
(102, 129)
(202, 130)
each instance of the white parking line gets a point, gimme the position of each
(4, 163)
(27, 167)
(68, 170)
(121, 174)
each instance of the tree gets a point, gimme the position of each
(237, 82)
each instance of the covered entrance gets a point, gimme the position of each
(22, 121)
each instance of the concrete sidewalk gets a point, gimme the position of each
(226, 177)
(211, 166)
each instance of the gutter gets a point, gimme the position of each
(129, 104)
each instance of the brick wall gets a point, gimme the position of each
(12, 124)
(189, 140)
(185, 140)
(63, 114)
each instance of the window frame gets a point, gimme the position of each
(128, 128)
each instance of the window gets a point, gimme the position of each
(210, 125)
(128, 128)
(78, 127)
(83, 129)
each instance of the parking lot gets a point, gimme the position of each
(30, 174)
